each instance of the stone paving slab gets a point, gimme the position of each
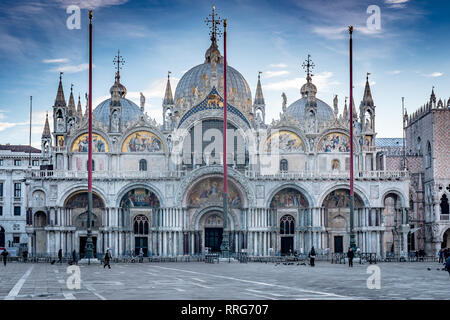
(225, 281)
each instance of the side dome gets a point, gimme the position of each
(130, 111)
(198, 82)
(296, 110)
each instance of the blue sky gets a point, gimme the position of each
(406, 57)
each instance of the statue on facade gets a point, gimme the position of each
(115, 121)
(142, 100)
(283, 106)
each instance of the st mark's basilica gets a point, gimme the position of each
(159, 186)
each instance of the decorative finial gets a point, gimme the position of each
(90, 16)
(350, 29)
(71, 87)
(168, 74)
(215, 21)
(259, 74)
(308, 65)
(118, 61)
(367, 76)
(60, 75)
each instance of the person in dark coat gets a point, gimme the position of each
(5, 256)
(25, 256)
(60, 255)
(350, 256)
(107, 259)
(312, 256)
(447, 265)
(74, 257)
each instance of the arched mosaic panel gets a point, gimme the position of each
(99, 144)
(139, 197)
(142, 141)
(289, 198)
(341, 199)
(287, 142)
(211, 190)
(334, 142)
(79, 200)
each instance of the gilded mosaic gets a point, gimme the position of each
(142, 141)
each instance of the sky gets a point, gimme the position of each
(406, 54)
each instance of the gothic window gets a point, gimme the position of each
(428, 157)
(283, 165)
(287, 225)
(142, 165)
(444, 204)
(140, 226)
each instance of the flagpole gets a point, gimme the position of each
(352, 195)
(225, 247)
(89, 244)
(29, 150)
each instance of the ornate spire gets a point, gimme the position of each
(60, 100)
(308, 65)
(46, 132)
(432, 96)
(367, 99)
(355, 113)
(79, 111)
(119, 62)
(345, 112)
(259, 98)
(72, 110)
(168, 98)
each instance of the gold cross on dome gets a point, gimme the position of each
(118, 61)
(308, 65)
(213, 21)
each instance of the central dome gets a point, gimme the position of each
(198, 82)
(296, 110)
(130, 111)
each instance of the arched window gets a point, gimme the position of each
(93, 165)
(428, 157)
(283, 165)
(419, 144)
(142, 165)
(140, 225)
(444, 204)
(287, 225)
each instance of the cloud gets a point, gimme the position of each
(91, 4)
(433, 74)
(323, 82)
(395, 72)
(396, 3)
(61, 60)
(278, 65)
(331, 32)
(7, 125)
(72, 68)
(272, 74)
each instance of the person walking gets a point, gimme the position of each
(5, 254)
(447, 265)
(141, 255)
(441, 256)
(60, 255)
(74, 257)
(25, 256)
(107, 259)
(350, 256)
(312, 256)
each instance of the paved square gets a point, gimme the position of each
(224, 281)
